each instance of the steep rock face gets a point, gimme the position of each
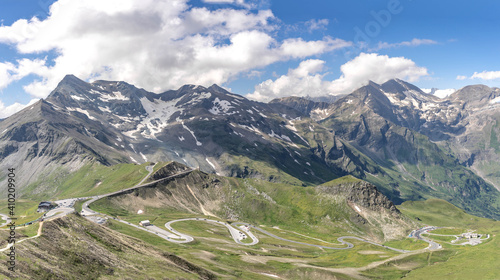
(168, 170)
(39, 140)
(362, 194)
(371, 209)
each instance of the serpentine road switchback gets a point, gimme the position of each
(239, 231)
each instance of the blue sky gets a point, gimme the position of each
(259, 48)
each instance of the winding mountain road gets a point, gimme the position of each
(340, 239)
(236, 234)
(432, 244)
(238, 230)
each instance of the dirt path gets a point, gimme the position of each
(355, 272)
(39, 232)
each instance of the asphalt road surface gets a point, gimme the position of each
(349, 245)
(418, 234)
(86, 211)
(58, 212)
(236, 234)
(244, 231)
(238, 230)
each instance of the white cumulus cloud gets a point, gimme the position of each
(6, 111)
(10, 72)
(307, 80)
(301, 81)
(413, 43)
(154, 44)
(486, 75)
(243, 3)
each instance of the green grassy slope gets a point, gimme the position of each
(250, 200)
(91, 179)
(74, 248)
(454, 262)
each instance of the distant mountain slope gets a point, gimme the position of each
(409, 135)
(114, 122)
(409, 144)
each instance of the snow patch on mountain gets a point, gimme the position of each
(221, 107)
(282, 137)
(115, 95)
(211, 164)
(78, 98)
(93, 91)
(130, 133)
(132, 146)
(237, 96)
(85, 112)
(159, 113)
(301, 138)
(198, 97)
(319, 114)
(495, 100)
(133, 159)
(104, 109)
(198, 143)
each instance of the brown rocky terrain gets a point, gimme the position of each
(74, 248)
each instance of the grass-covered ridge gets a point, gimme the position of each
(92, 179)
(348, 179)
(315, 211)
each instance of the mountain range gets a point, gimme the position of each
(409, 144)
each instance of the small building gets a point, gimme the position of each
(44, 206)
(145, 223)
(472, 235)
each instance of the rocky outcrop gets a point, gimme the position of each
(370, 209)
(169, 169)
(362, 194)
